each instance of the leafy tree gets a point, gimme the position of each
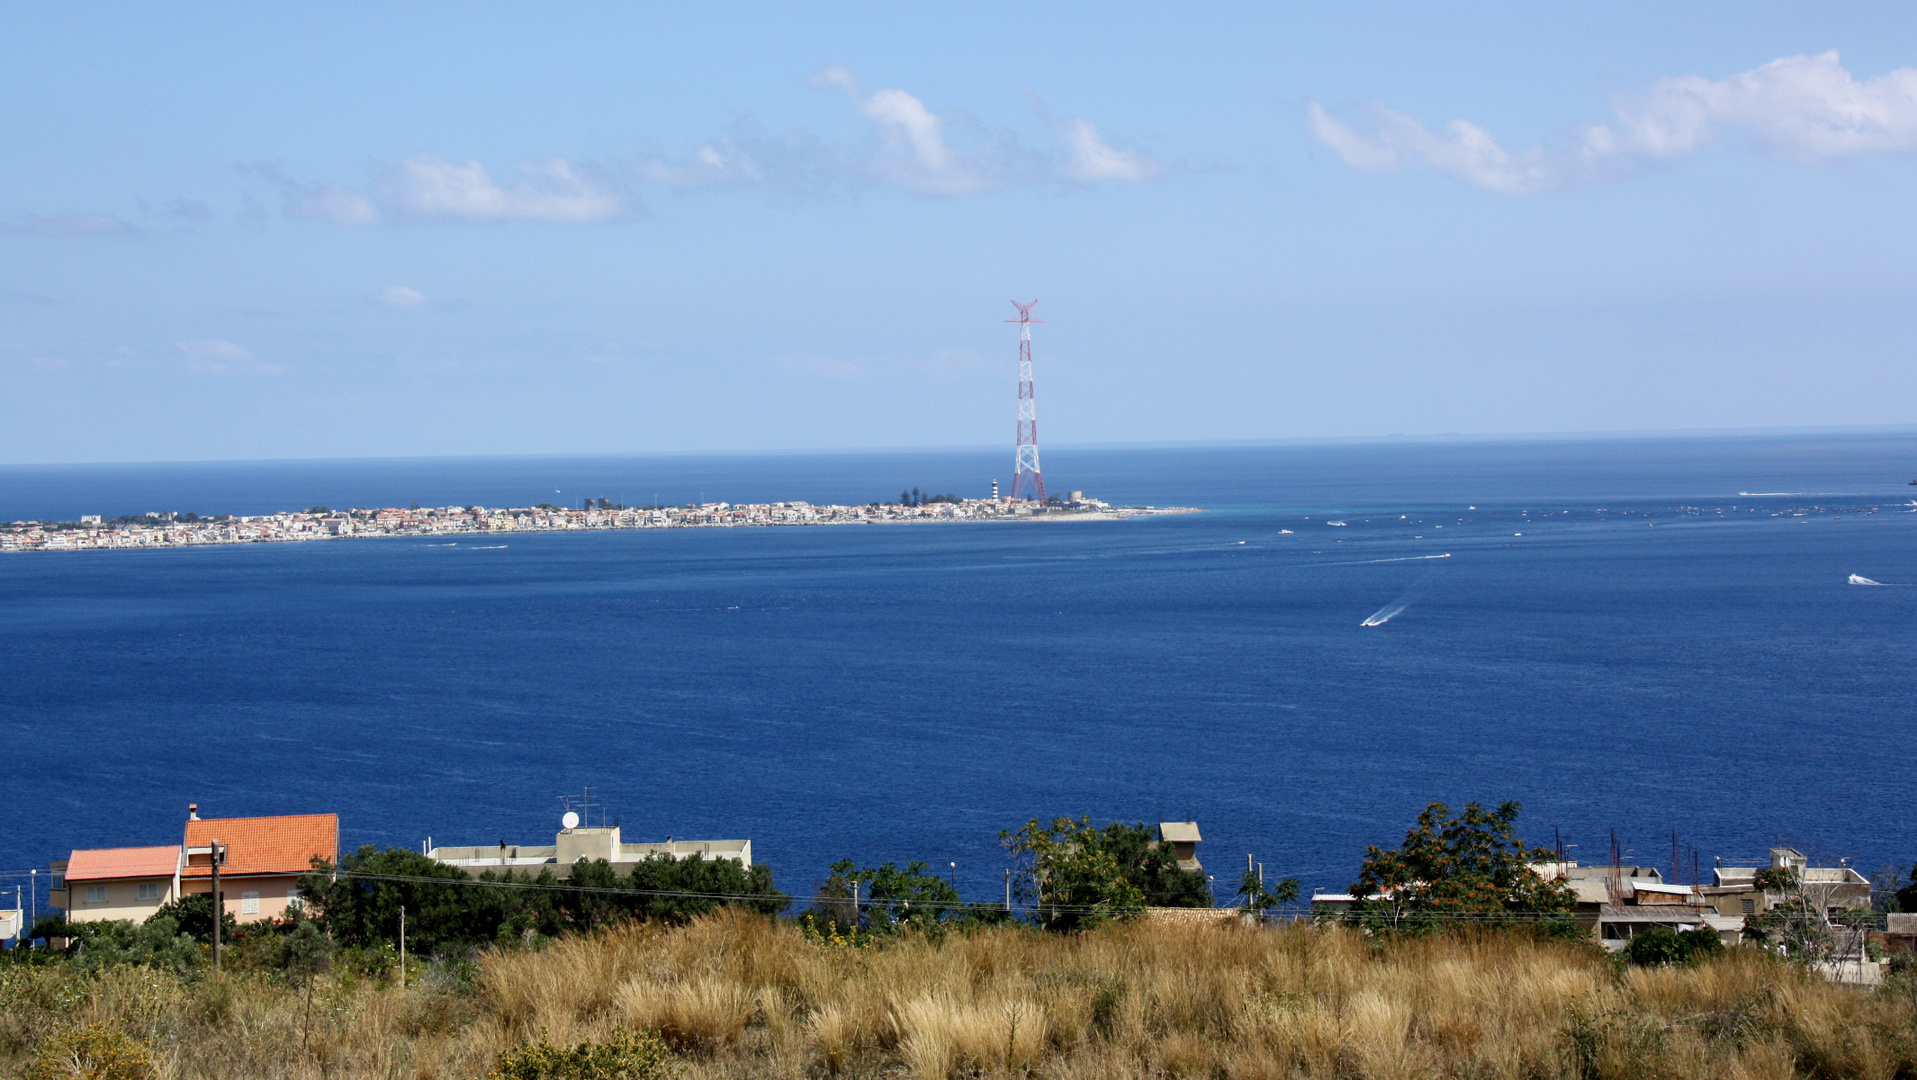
(305, 953)
(1797, 915)
(1083, 875)
(899, 899)
(672, 890)
(193, 914)
(1453, 868)
(448, 910)
(1905, 898)
(363, 912)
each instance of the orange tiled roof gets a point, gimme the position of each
(266, 845)
(101, 864)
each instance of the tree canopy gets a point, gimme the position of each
(359, 903)
(1458, 867)
(1082, 875)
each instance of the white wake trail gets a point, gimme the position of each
(1387, 613)
(1370, 562)
(1859, 579)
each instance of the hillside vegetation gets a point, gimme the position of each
(740, 994)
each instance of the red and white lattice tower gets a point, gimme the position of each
(1027, 481)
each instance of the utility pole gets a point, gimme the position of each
(855, 905)
(402, 948)
(1008, 870)
(1025, 474)
(215, 857)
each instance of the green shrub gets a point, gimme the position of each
(626, 1056)
(93, 1052)
(1661, 945)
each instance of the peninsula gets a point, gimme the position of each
(321, 523)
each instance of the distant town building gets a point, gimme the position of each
(1183, 838)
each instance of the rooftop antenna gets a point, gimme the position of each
(585, 808)
(1025, 473)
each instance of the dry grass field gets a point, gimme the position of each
(746, 996)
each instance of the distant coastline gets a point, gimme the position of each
(94, 532)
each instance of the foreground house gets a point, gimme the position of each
(265, 857)
(259, 879)
(592, 843)
(92, 885)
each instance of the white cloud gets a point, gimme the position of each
(1806, 108)
(1465, 151)
(912, 151)
(1802, 108)
(64, 225)
(909, 147)
(427, 187)
(399, 296)
(1094, 159)
(216, 356)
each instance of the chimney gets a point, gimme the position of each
(192, 811)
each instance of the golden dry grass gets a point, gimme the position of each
(743, 996)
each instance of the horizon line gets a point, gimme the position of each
(1597, 435)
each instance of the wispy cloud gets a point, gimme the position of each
(216, 356)
(908, 146)
(399, 296)
(1800, 108)
(66, 225)
(427, 187)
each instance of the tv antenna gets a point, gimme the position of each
(572, 818)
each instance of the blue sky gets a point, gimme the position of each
(424, 229)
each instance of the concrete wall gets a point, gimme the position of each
(270, 895)
(122, 900)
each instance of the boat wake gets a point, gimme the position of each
(1859, 579)
(1387, 613)
(1370, 562)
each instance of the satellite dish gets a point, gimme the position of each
(570, 821)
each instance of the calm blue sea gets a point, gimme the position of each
(1609, 631)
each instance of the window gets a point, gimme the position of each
(96, 894)
(148, 890)
(249, 903)
(1750, 907)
